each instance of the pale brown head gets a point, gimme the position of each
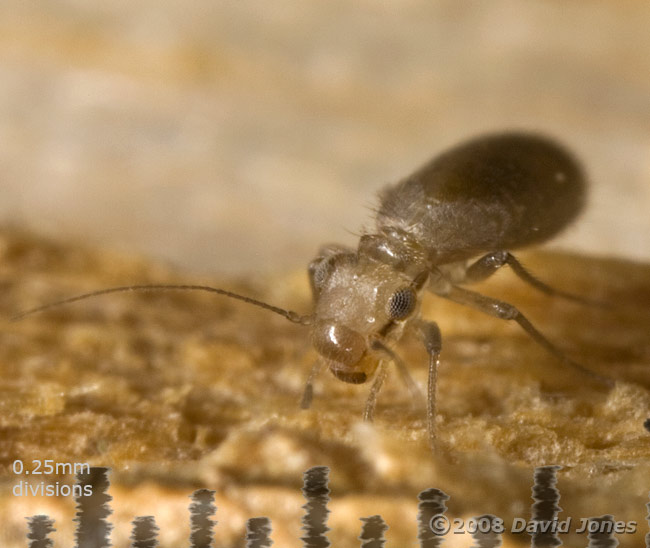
(359, 304)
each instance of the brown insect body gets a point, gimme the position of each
(493, 193)
(483, 197)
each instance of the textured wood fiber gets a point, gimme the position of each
(180, 391)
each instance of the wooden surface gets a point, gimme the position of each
(239, 137)
(177, 391)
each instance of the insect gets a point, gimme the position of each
(451, 223)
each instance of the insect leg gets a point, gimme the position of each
(487, 265)
(506, 311)
(433, 343)
(413, 388)
(369, 411)
(308, 394)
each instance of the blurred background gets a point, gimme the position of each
(232, 137)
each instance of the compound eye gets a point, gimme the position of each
(321, 268)
(319, 271)
(322, 272)
(401, 303)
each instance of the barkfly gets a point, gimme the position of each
(453, 222)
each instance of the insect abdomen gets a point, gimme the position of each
(499, 191)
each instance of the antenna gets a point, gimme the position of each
(288, 314)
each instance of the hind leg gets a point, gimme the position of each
(487, 265)
(506, 311)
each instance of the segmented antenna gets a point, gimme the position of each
(288, 314)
